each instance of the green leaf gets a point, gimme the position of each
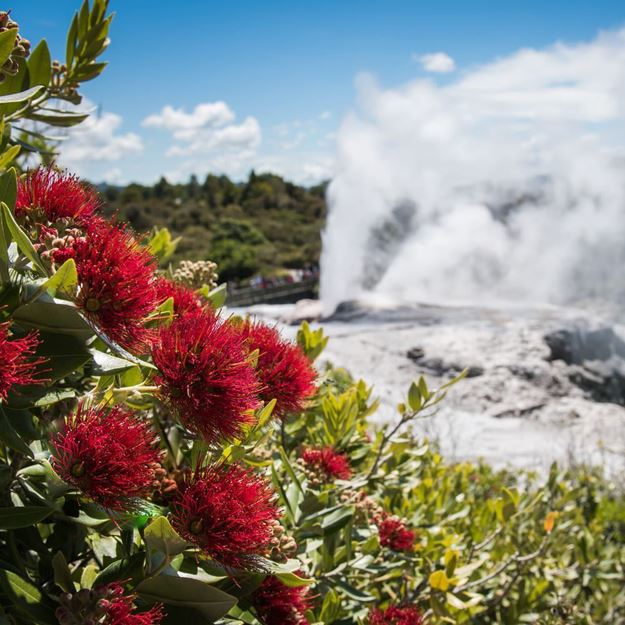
(14, 518)
(293, 581)
(58, 317)
(188, 593)
(26, 598)
(336, 520)
(7, 43)
(10, 437)
(8, 188)
(162, 245)
(8, 155)
(414, 397)
(83, 19)
(64, 279)
(63, 120)
(123, 569)
(216, 297)
(264, 414)
(21, 238)
(159, 535)
(21, 96)
(289, 469)
(40, 65)
(89, 72)
(54, 397)
(70, 51)
(107, 364)
(64, 354)
(62, 574)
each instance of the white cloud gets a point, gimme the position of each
(96, 140)
(243, 137)
(185, 125)
(325, 115)
(209, 130)
(438, 62)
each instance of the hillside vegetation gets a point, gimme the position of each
(260, 226)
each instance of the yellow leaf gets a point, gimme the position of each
(550, 521)
(439, 580)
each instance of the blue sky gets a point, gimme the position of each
(284, 72)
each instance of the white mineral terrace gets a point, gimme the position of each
(519, 409)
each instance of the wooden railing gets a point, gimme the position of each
(279, 294)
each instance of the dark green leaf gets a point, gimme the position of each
(14, 518)
(83, 19)
(123, 569)
(64, 354)
(70, 50)
(336, 520)
(63, 120)
(62, 574)
(25, 597)
(161, 536)
(57, 317)
(10, 437)
(188, 593)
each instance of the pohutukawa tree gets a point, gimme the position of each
(166, 461)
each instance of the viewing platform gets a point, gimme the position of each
(276, 294)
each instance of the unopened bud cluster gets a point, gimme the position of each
(315, 475)
(196, 274)
(53, 246)
(21, 48)
(60, 85)
(166, 484)
(365, 507)
(85, 607)
(282, 545)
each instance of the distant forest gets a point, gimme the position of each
(261, 226)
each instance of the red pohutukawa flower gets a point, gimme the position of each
(205, 376)
(17, 362)
(120, 609)
(396, 615)
(327, 461)
(394, 533)
(284, 372)
(109, 455)
(46, 193)
(277, 604)
(116, 283)
(185, 299)
(107, 605)
(228, 512)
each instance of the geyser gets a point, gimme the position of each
(507, 183)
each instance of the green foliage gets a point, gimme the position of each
(491, 546)
(261, 226)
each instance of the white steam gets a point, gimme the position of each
(508, 183)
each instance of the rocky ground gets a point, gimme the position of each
(543, 383)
